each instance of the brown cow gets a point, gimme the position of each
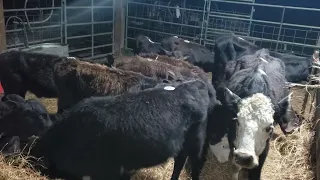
(154, 69)
(176, 62)
(77, 80)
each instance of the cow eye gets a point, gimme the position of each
(176, 43)
(269, 128)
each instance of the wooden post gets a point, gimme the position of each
(118, 26)
(3, 42)
(317, 136)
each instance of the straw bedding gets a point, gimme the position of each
(289, 158)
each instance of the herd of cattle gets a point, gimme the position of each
(125, 113)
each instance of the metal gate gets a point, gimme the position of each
(280, 28)
(158, 19)
(42, 20)
(275, 27)
(86, 26)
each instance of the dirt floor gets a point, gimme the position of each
(289, 158)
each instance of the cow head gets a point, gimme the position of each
(286, 117)
(173, 43)
(252, 127)
(25, 119)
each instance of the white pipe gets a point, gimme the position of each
(35, 22)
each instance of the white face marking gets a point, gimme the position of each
(186, 41)
(150, 40)
(262, 72)
(221, 150)
(149, 59)
(291, 124)
(185, 57)
(175, 36)
(169, 88)
(254, 116)
(71, 58)
(241, 38)
(262, 59)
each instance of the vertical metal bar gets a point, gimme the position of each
(3, 39)
(61, 22)
(207, 22)
(280, 28)
(251, 17)
(64, 2)
(92, 29)
(126, 29)
(203, 20)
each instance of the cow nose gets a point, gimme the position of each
(243, 159)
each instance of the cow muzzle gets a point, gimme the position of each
(245, 160)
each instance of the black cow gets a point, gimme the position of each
(19, 120)
(27, 71)
(297, 68)
(251, 100)
(22, 71)
(194, 53)
(107, 137)
(229, 47)
(144, 45)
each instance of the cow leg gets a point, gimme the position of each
(178, 164)
(196, 151)
(255, 174)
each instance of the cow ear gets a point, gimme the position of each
(231, 98)
(284, 103)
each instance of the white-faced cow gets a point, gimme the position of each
(108, 137)
(194, 53)
(253, 100)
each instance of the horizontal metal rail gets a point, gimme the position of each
(167, 7)
(89, 35)
(32, 9)
(267, 22)
(229, 14)
(87, 7)
(166, 22)
(265, 40)
(88, 23)
(170, 34)
(89, 48)
(35, 28)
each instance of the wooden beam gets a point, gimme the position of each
(118, 26)
(317, 136)
(3, 42)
